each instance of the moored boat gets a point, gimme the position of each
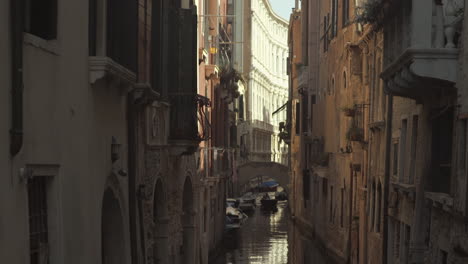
(268, 203)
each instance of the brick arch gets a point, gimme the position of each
(274, 170)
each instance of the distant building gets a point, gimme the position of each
(260, 53)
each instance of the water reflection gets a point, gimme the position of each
(262, 239)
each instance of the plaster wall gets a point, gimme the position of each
(69, 124)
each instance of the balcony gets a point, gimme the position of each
(262, 125)
(422, 52)
(183, 98)
(105, 68)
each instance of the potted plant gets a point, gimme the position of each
(348, 111)
(355, 134)
(370, 13)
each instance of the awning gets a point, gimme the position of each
(281, 108)
(269, 184)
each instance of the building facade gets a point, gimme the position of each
(377, 153)
(111, 153)
(329, 139)
(261, 57)
(424, 75)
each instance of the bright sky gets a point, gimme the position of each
(282, 7)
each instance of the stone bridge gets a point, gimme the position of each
(252, 170)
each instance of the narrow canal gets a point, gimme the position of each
(263, 238)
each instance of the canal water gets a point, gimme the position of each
(263, 238)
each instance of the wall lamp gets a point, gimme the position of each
(115, 150)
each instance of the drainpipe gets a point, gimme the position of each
(388, 145)
(350, 211)
(16, 24)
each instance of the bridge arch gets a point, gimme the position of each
(251, 170)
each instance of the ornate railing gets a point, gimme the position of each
(182, 69)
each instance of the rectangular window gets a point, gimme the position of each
(305, 110)
(325, 188)
(395, 159)
(414, 144)
(443, 257)
(342, 208)
(41, 18)
(407, 243)
(122, 31)
(92, 24)
(404, 128)
(334, 22)
(402, 242)
(441, 149)
(298, 118)
(212, 206)
(305, 34)
(397, 239)
(157, 23)
(306, 186)
(241, 107)
(38, 215)
(204, 218)
(331, 204)
(462, 146)
(325, 33)
(233, 136)
(345, 12)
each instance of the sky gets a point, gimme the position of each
(282, 7)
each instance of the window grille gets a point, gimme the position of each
(38, 226)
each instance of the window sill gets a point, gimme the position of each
(408, 190)
(49, 46)
(378, 124)
(104, 67)
(442, 201)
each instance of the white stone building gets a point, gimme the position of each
(261, 57)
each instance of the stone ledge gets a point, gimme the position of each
(380, 124)
(100, 67)
(442, 201)
(49, 46)
(418, 71)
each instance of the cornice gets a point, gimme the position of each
(273, 14)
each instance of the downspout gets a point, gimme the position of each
(132, 159)
(16, 24)
(350, 211)
(388, 144)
